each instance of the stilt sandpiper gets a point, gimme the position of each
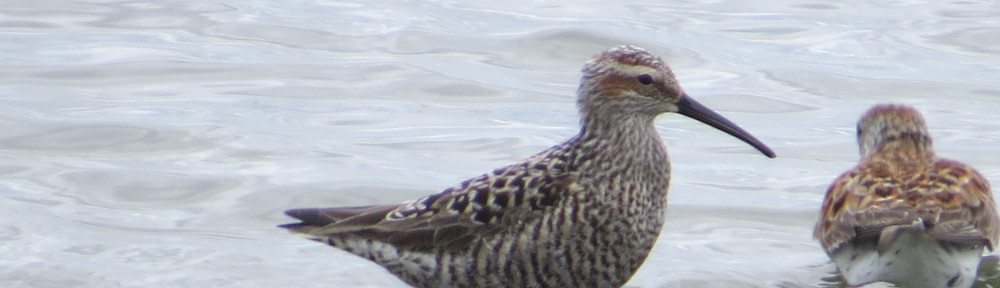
(584, 213)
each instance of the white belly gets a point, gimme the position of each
(910, 259)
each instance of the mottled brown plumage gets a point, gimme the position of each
(904, 215)
(584, 213)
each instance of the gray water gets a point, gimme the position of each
(155, 143)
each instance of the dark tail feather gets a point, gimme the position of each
(309, 216)
(344, 217)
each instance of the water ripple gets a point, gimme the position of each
(114, 188)
(108, 139)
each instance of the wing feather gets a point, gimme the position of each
(951, 200)
(451, 218)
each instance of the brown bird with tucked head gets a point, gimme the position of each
(584, 213)
(903, 215)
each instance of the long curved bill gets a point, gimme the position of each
(688, 107)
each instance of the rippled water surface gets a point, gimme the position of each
(155, 143)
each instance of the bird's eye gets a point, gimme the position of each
(645, 79)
